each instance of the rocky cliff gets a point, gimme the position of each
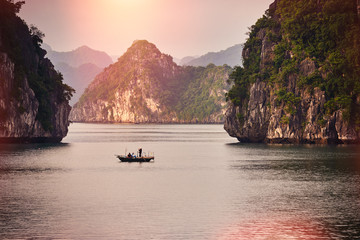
(301, 81)
(146, 86)
(33, 100)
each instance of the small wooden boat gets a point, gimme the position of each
(124, 158)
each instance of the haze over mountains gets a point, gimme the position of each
(79, 56)
(288, 90)
(145, 86)
(79, 67)
(230, 56)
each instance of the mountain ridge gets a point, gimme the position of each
(79, 56)
(145, 85)
(230, 56)
(78, 67)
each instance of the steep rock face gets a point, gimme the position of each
(251, 125)
(18, 121)
(136, 100)
(146, 86)
(28, 114)
(289, 111)
(265, 121)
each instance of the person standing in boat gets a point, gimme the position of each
(140, 152)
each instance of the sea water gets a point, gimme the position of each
(203, 184)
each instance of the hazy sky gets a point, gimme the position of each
(177, 27)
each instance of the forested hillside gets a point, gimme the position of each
(302, 61)
(145, 85)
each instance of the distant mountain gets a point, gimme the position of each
(79, 56)
(186, 60)
(231, 56)
(79, 67)
(177, 60)
(78, 77)
(145, 85)
(114, 57)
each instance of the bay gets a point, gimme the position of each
(203, 184)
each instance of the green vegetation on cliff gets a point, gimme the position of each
(204, 93)
(149, 86)
(323, 32)
(22, 45)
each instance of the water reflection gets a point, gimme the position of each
(317, 183)
(23, 168)
(276, 227)
(298, 162)
(199, 187)
(20, 148)
(128, 133)
(29, 158)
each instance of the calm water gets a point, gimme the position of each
(202, 185)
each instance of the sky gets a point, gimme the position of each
(177, 27)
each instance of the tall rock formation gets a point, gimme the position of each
(145, 86)
(301, 77)
(33, 100)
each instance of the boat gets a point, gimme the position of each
(124, 158)
(140, 157)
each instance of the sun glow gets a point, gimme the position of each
(179, 28)
(275, 228)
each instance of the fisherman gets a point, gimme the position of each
(129, 155)
(140, 151)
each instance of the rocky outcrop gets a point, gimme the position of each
(29, 112)
(262, 117)
(18, 120)
(146, 86)
(265, 121)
